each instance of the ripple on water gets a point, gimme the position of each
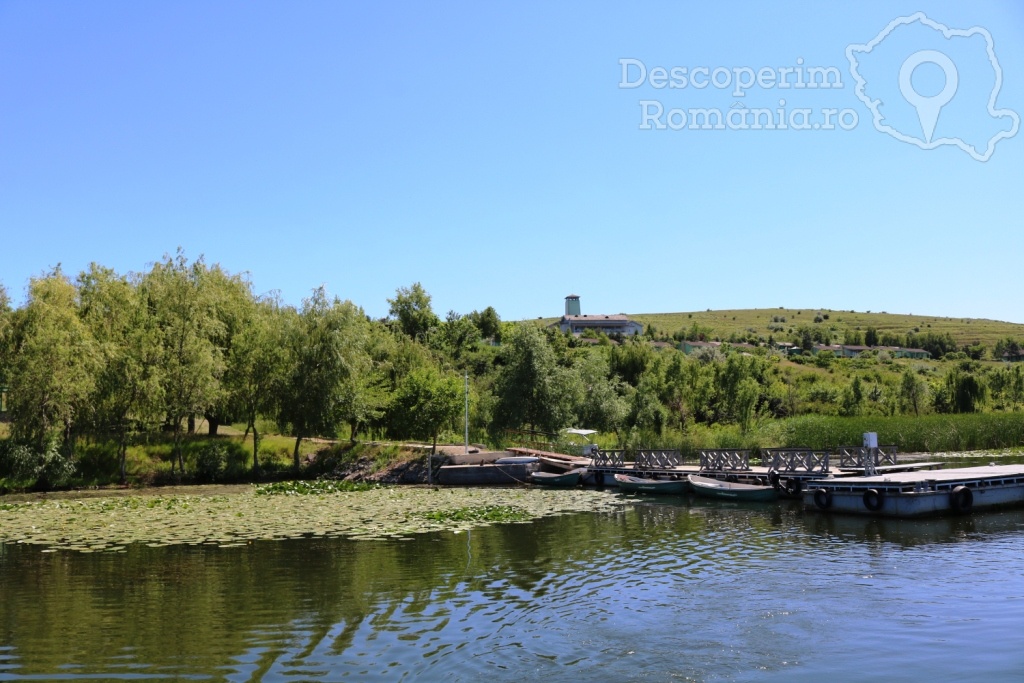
(660, 592)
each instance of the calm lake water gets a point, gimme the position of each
(677, 590)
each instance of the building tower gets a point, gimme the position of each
(572, 305)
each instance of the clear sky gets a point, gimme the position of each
(496, 151)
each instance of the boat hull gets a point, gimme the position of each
(724, 490)
(665, 487)
(563, 480)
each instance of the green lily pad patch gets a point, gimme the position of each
(109, 525)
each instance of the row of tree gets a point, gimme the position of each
(109, 357)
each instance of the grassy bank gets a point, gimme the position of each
(222, 459)
(925, 434)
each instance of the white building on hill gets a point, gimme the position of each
(577, 323)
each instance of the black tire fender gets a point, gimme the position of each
(873, 500)
(961, 499)
(823, 499)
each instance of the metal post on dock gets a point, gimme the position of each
(870, 453)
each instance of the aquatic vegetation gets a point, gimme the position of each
(111, 524)
(483, 513)
(317, 487)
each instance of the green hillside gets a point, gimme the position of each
(759, 322)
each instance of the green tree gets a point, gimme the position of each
(532, 389)
(231, 304)
(1015, 386)
(966, 390)
(488, 322)
(631, 359)
(5, 335)
(599, 402)
(806, 339)
(326, 354)
(427, 401)
(54, 365)
(256, 365)
(128, 390)
(457, 336)
(871, 337)
(647, 415)
(912, 392)
(411, 308)
(191, 364)
(745, 403)
(852, 398)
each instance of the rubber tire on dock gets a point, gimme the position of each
(961, 500)
(823, 499)
(775, 480)
(794, 487)
(873, 500)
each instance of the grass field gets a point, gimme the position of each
(722, 324)
(966, 331)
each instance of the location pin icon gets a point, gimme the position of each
(928, 108)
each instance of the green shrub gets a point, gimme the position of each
(26, 467)
(220, 460)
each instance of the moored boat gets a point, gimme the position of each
(668, 487)
(729, 490)
(560, 479)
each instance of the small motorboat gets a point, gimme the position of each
(730, 490)
(668, 487)
(560, 479)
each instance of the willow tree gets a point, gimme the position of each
(232, 305)
(5, 334)
(190, 363)
(53, 364)
(532, 389)
(256, 365)
(127, 394)
(326, 347)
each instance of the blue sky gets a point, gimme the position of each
(490, 152)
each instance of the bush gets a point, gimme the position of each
(23, 465)
(215, 461)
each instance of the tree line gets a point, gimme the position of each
(112, 357)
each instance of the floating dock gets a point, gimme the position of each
(921, 493)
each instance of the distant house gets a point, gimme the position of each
(576, 323)
(689, 347)
(918, 354)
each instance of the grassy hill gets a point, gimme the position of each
(965, 331)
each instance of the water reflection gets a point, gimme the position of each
(702, 590)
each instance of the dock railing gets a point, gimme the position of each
(866, 458)
(657, 459)
(612, 458)
(796, 460)
(644, 459)
(725, 460)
